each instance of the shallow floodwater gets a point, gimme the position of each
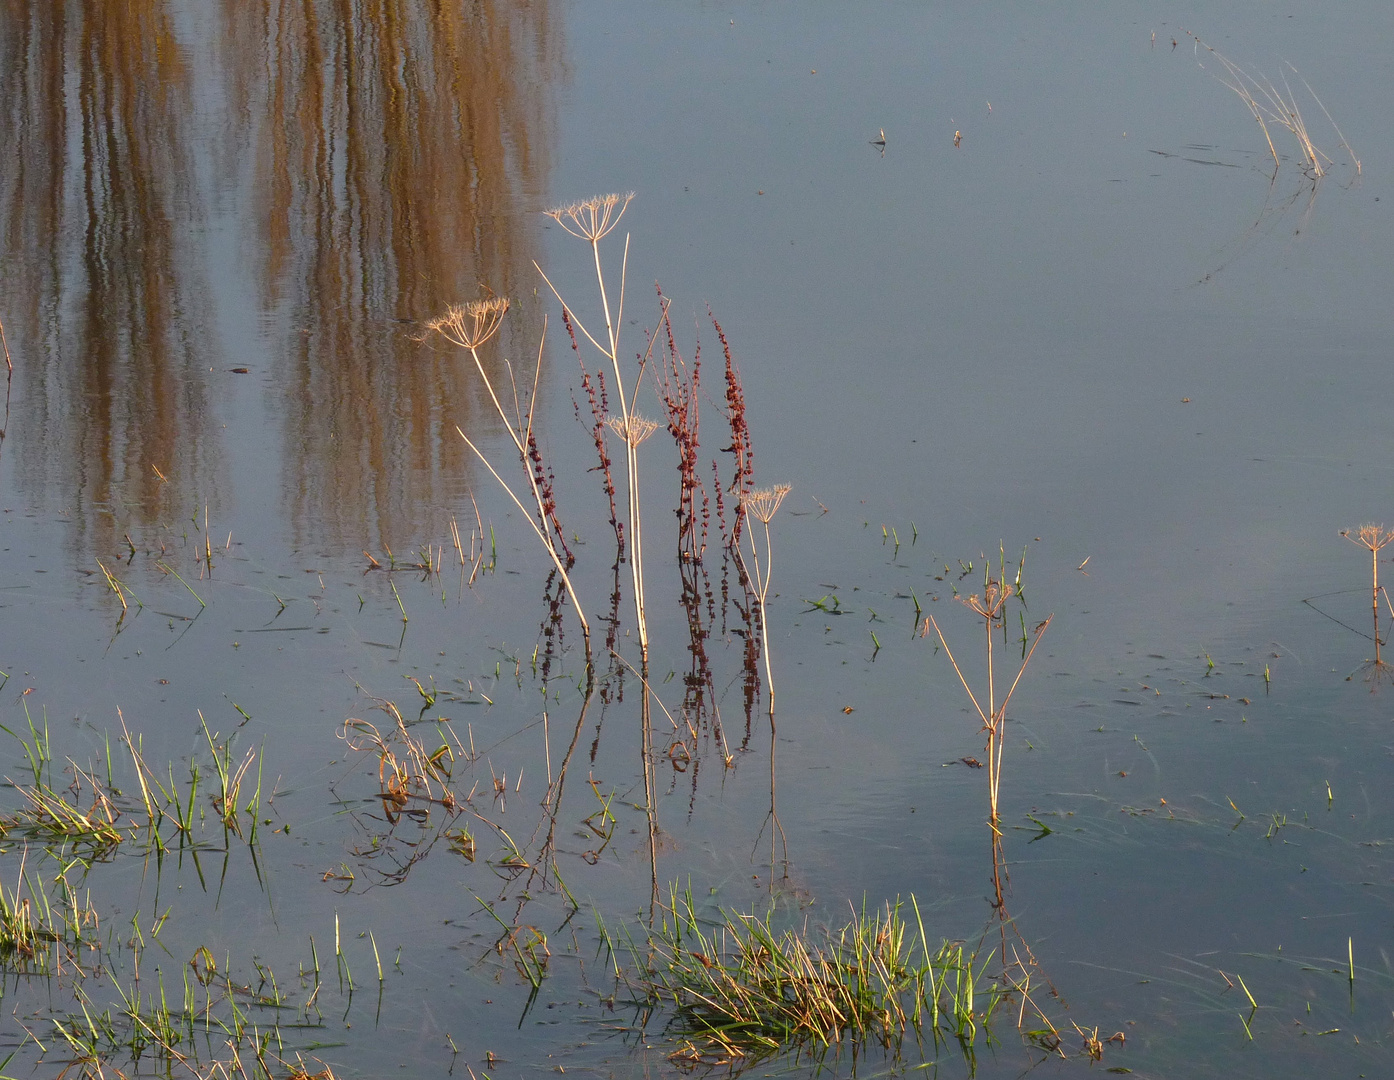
(1069, 309)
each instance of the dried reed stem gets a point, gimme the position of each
(1374, 538)
(990, 607)
(1268, 105)
(469, 326)
(763, 504)
(592, 220)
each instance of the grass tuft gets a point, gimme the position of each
(739, 990)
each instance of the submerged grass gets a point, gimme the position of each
(738, 990)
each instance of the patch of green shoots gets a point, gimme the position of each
(736, 989)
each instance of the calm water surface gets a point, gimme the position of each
(1098, 329)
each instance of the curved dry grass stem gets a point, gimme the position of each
(1269, 105)
(547, 544)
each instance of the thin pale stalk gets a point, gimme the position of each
(958, 671)
(637, 554)
(610, 330)
(544, 537)
(631, 452)
(993, 754)
(1040, 632)
(765, 620)
(513, 434)
(1339, 134)
(761, 588)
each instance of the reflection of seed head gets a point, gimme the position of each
(764, 502)
(592, 218)
(471, 325)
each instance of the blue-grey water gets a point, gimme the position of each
(1100, 327)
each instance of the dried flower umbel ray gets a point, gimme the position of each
(762, 504)
(991, 608)
(470, 326)
(592, 220)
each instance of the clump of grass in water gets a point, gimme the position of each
(90, 819)
(741, 991)
(42, 933)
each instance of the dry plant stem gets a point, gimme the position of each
(484, 318)
(1268, 105)
(546, 543)
(1374, 538)
(592, 220)
(9, 364)
(994, 718)
(521, 434)
(764, 587)
(763, 504)
(650, 801)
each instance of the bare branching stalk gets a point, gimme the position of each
(1373, 538)
(592, 220)
(632, 430)
(762, 504)
(991, 608)
(470, 326)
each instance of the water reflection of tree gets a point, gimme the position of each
(108, 305)
(397, 150)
